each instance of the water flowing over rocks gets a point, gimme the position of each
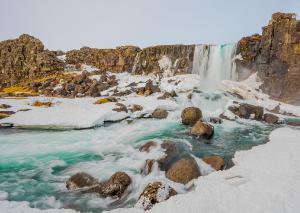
(275, 55)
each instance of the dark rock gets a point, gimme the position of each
(155, 192)
(4, 106)
(81, 180)
(270, 118)
(167, 95)
(121, 108)
(147, 146)
(116, 185)
(183, 171)
(247, 111)
(191, 115)
(172, 154)
(136, 107)
(215, 120)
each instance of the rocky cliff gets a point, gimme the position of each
(24, 58)
(275, 55)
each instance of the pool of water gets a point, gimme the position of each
(34, 165)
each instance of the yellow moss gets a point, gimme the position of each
(17, 90)
(42, 104)
(102, 101)
(3, 115)
(140, 93)
(296, 48)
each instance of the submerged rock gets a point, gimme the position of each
(183, 171)
(155, 192)
(81, 180)
(191, 115)
(147, 146)
(159, 113)
(215, 162)
(201, 129)
(215, 120)
(270, 118)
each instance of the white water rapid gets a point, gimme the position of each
(214, 63)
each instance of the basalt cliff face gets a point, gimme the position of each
(25, 58)
(275, 55)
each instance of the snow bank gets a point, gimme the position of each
(264, 179)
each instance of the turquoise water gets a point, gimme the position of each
(34, 165)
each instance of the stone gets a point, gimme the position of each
(155, 192)
(183, 171)
(171, 155)
(80, 180)
(201, 129)
(167, 95)
(147, 146)
(136, 107)
(148, 167)
(215, 162)
(121, 108)
(191, 115)
(116, 185)
(270, 118)
(4, 106)
(215, 120)
(247, 111)
(159, 113)
(42, 104)
(105, 100)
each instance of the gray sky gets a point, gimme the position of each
(69, 24)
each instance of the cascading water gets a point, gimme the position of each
(214, 63)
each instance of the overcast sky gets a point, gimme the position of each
(69, 24)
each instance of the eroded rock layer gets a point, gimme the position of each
(275, 55)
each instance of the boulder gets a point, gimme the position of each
(201, 129)
(167, 95)
(80, 180)
(155, 192)
(171, 155)
(120, 108)
(270, 118)
(116, 185)
(215, 120)
(247, 111)
(136, 107)
(183, 171)
(159, 113)
(191, 115)
(147, 146)
(215, 162)
(4, 106)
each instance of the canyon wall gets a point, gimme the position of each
(275, 55)
(25, 58)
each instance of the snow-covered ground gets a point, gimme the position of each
(264, 179)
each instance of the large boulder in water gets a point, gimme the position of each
(183, 170)
(80, 180)
(154, 193)
(191, 115)
(215, 162)
(201, 129)
(171, 155)
(247, 111)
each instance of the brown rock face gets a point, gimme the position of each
(115, 60)
(155, 192)
(158, 59)
(147, 146)
(201, 129)
(183, 171)
(276, 56)
(215, 162)
(191, 115)
(80, 180)
(25, 58)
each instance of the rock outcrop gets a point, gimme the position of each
(25, 58)
(167, 59)
(202, 129)
(275, 55)
(191, 115)
(114, 60)
(80, 180)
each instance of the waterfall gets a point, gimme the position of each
(214, 63)
(136, 61)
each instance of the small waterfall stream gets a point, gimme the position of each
(214, 63)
